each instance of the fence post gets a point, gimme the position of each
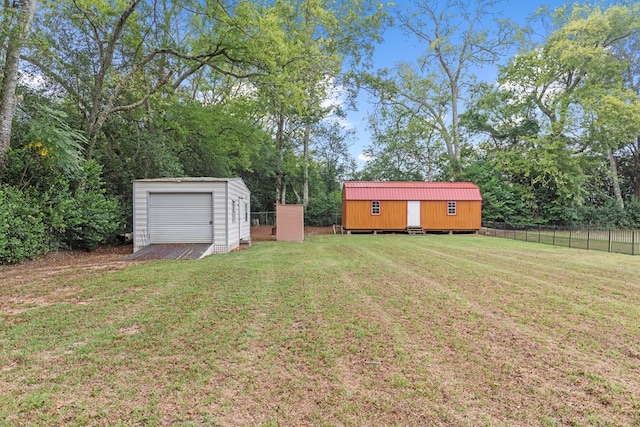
(554, 236)
(633, 242)
(609, 249)
(588, 236)
(539, 227)
(570, 236)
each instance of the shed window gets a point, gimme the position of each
(375, 207)
(451, 208)
(233, 211)
(246, 212)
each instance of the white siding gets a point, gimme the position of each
(226, 233)
(238, 224)
(220, 220)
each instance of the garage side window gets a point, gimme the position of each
(375, 207)
(451, 208)
(233, 211)
(246, 212)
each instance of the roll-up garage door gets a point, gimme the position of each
(180, 218)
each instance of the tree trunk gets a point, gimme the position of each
(280, 166)
(305, 165)
(636, 158)
(455, 121)
(613, 165)
(283, 194)
(15, 42)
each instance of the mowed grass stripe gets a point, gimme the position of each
(339, 330)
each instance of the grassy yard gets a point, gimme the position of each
(340, 330)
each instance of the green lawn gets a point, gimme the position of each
(340, 330)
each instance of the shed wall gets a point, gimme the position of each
(238, 221)
(434, 216)
(357, 215)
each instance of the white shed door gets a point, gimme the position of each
(413, 213)
(180, 218)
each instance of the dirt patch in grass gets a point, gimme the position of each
(45, 281)
(265, 233)
(61, 260)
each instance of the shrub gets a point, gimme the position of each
(322, 209)
(22, 230)
(86, 217)
(59, 212)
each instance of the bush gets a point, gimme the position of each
(322, 209)
(58, 212)
(22, 230)
(93, 220)
(86, 217)
(606, 215)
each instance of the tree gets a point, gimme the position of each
(560, 110)
(331, 152)
(458, 35)
(316, 38)
(628, 50)
(408, 125)
(17, 34)
(111, 58)
(575, 80)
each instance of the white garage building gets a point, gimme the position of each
(214, 211)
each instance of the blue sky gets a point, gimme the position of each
(398, 48)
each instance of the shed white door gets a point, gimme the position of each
(180, 218)
(413, 213)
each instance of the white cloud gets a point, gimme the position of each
(36, 82)
(365, 158)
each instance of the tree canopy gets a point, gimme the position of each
(97, 93)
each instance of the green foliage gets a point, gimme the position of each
(51, 137)
(608, 215)
(22, 229)
(324, 209)
(213, 140)
(502, 200)
(47, 210)
(411, 136)
(261, 179)
(331, 153)
(552, 123)
(86, 217)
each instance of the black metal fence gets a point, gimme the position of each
(620, 241)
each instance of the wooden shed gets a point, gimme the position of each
(213, 211)
(411, 206)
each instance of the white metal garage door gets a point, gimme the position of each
(180, 218)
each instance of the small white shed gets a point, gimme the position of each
(213, 211)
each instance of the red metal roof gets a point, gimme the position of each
(411, 190)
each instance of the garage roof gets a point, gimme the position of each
(193, 179)
(410, 190)
(187, 179)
